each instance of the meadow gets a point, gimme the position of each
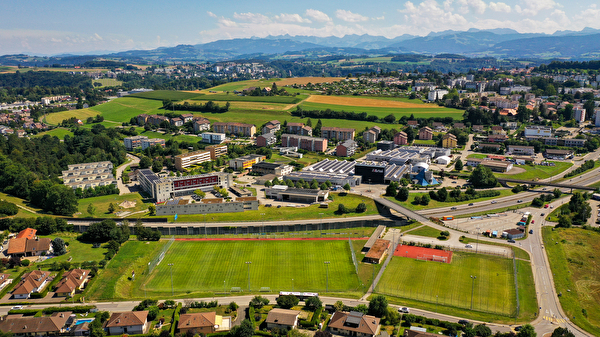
(219, 266)
(101, 203)
(236, 98)
(165, 94)
(534, 172)
(107, 82)
(450, 284)
(58, 132)
(436, 204)
(573, 256)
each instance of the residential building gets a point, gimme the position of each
(449, 141)
(133, 142)
(370, 136)
(32, 282)
(416, 332)
(265, 168)
(29, 247)
(346, 149)
(354, 324)
(497, 138)
(246, 130)
(294, 128)
(201, 124)
(54, 325)
(202, 323)
(213, 137)
(306, 131)
(271, 126)
(187, 117)
(459, 125)
(146, 143)
(216, 151)
(130, 322)
(401, 138)
(597, 112)
(304, 142)
(435, 95)
(88, 175)
(186, 160)
(574, 142)
(521, 150)
(282, 319)
(340, 134)
(245, 162)
(496, 147)
(72, 281)
(426, 133)
(266, 139)
(498, 130)
(579, 113)
(510, 125)
(177, 121)
(413, 124)
(477, 128)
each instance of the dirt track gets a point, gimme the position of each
(366, 102)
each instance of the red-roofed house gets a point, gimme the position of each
(71, 282)
(31, 282)
(130, 322)
(28, 233)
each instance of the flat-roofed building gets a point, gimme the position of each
(494, 165)
(558, 154)
(245, 162)
(217, 151)
(133, 142)
(265, 168)
(163, 189)
(304, 142)
(521, 150)
(574, 142)
(186, 160)
(299, 195)
(86, 175)
(213, 137)
(538, 131)
(146, 143)
(246, 130)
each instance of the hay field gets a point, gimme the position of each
(306, 80)
(366, 102)
(251, 105)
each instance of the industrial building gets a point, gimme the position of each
(386, 145)
(163, 189)
(88, 175)
(285, 193)
(371, 172)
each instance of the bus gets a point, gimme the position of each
(301, 296)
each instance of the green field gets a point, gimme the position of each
(425, 231)
(77, 251)
(58, 132)
(573, 256)
(450, 284)
(236, 98)
(166, 94)
(108, 82)
(102, 203)
(382, 112)
(533, 172)
(289, 213)
(221, 265)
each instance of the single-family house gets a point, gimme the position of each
(72, 281)
(282, 319)
(129, 322)
(198, 323)
(31, 282)
(36, 326)
(354, 324)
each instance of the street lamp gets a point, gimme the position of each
(248, 263)
(263, 220)
(472, 288)
(327, 284)
(477, 243)
(171, 266)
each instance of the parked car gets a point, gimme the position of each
(532, 221)
(531, 231)
(494, 201)
(17, 307)
(511, 241)
(518, 328)
(543, 214)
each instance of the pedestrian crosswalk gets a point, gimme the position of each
(554, 319)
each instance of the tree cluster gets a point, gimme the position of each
(44, 225)
(209, 106)
(482, 177)
(146, 234)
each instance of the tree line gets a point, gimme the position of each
(209, 106)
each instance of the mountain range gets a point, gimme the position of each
(500, 43)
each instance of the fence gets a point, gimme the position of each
(353, 256)
(516, 286)
(156, 261)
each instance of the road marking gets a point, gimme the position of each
(555, 320)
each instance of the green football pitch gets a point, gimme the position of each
(451, 284)
(281, 265)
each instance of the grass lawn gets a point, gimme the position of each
(160, 95)
(58, 132)
(596, 165)
(382, 112)
(108, 82)
(236, 98)
(221, 265)
(102, 203)
(21, 202)
(425, 231)
(533, 172)
(573, 256)
(449, 285)
(113, 281)
(424, 141)
(244, 105)
(477, 155)
(354, 232)
(78, 251)
(436, 204)
(288, 213)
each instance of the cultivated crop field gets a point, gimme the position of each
(217, 266)
(165, 94)
(236, 98)
(368, 102)
(450, 284)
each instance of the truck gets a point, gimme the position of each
(447, 218)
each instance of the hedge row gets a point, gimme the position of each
(175, 319)
(251, 313)
(79, 309)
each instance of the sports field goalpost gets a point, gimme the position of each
(158, 258)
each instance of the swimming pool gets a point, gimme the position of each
(84, 320)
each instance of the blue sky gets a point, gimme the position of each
(66, 26)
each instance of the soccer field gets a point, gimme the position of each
(285, 265)
(451, 284)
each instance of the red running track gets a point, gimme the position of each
(258, 239)
(422, 253)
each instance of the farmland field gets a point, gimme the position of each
(238, 105)
(573, 256)
(369, 102)
(108, 82)
(218, 266)
(165, 94)
(419, 112)
(450, 284)
(236, 98)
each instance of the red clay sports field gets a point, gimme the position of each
(422, 253)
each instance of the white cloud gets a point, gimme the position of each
(499, 7)
(283, 17)
(224, 22)
(348, 16)
(429, 16)
(317, 15)
(533, 7)
(98, 37)
(561, 17)
(476, 5)
(379, 18)
(251, 17)
(211, 14)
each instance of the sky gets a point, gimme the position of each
(43, 27)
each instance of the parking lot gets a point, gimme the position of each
(500, 223)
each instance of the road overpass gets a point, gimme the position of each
(542, 183)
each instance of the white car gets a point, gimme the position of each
(17, 307)
(468, 246)
(404, 310)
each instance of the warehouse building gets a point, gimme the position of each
(163, 189)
